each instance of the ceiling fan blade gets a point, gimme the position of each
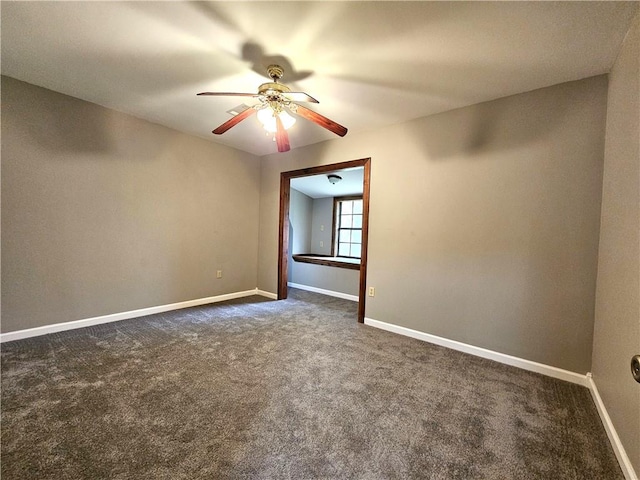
(229, 94)
(300, 97)
(234, 121)
(282, 137)
(321, 120)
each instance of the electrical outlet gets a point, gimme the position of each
(372, 291)
(321, 244)
(322, 228)
(219, 274)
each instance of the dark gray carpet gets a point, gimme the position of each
(297, 389)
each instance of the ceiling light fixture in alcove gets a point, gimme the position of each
(333, 179)
(276, 101)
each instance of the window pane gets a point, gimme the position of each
(349, 228)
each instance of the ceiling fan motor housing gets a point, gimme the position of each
(272, 88)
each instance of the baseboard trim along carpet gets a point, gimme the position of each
(115, 317)
(262, 293)
(584, 380)
(618, 448)
(483, 352)
(331, 293)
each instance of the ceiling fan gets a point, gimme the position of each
(276, 100)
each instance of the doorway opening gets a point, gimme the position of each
(283, 231)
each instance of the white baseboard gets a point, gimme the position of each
(618, 448)
(584, 380)
(345, 296)
(263, 293)
(483, 352)
(115, 317)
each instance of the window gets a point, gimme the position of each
(348, 227)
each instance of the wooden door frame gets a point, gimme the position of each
(283, 235)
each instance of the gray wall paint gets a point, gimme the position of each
(322, 217)
(484, 220)
(300, 215)
(300, 208)
(617, 315)
(336, 279)
(104, 213)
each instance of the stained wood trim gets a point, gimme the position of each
(326, 260)
(366, 195)
(348, 197)
(283, 235)
(305, 172)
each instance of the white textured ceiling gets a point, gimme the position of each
(370, 64)
(318, 186)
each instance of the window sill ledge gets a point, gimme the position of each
(327, 261)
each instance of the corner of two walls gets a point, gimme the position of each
(484, 221)
(483, 227)
(105, 213)
(617, 312)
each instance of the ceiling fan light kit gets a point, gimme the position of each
(276, 101)
(267, 117)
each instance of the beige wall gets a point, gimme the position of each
(484, 221)
(335, 279)
(322, 216)
(300, 217)
(104, 213)
(617, 314)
